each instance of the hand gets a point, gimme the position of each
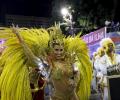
(15, 29)
(35, 89)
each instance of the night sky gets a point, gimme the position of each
(43, 8)
(40, 8)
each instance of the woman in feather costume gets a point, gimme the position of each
(69, 71)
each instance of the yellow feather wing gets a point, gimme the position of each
(14, 80)
(78, 48)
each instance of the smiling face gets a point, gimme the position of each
(58, 51)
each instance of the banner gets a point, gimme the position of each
(93, 38)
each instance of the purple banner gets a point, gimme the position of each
(95, 36)
(92, 39)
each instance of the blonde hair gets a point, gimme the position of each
(100, 51)
(104, 42)
(94, 54)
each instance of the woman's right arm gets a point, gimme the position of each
(29, 54)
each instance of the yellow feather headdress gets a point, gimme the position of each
(14, 80)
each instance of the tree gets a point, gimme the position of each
(92, 14)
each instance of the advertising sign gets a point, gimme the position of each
(92, 39)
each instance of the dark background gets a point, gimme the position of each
(114, 88)
(40, 8)
(44, 8)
